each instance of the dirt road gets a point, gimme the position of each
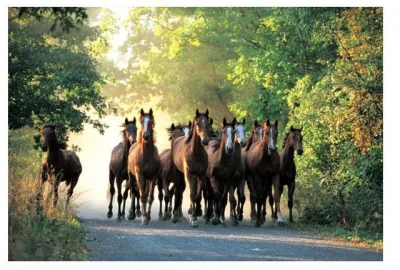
(111, 240)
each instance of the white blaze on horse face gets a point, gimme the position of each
(229, 138)
(240, 132)
(186, 130)
(145, 123)
(260, 134)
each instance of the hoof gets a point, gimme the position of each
(174, 219)
(199, 213)
(207, 221)
(194, 223)
(280, 218)
(274, 216)
(253, 218)
(291, 220)
(138, 213)
(109, 215)
(145, 221)
(119, 219)
(214, 221)
(240, 217)
(223, 224)
(131, 216)
(235, 223)
(166, 216)
(258, 223)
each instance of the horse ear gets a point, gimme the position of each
(172, 127)
(134, 120)
(224, 121)
(190, 124)
(197, 113)
(301, 128)
(141, 112)
(244, 121)
(234, 122)
(207, 113)
(151, 112)
(126, 120)
(255, 123)
(268, 123)
(276, 123)
(291, 128)
(211, 121)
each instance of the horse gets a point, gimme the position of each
(293, 141)
(222, 163)
(64, 165)
(262, 166)
(191, 159)
(255, 136)
(144, 165)
(170, 174)
(239, 179)
(118, 167)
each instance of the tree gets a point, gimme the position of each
(52, 73)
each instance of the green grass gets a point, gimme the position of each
(38, 232)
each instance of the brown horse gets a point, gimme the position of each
(144, 165)
(293, 141)
(191, 159)
(64, 165)
(262, 165)
(118, 167)
(239, 179)
(170, 174)
(222, 163)
(255, 136)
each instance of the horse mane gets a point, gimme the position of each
(189, 138)
(50, 125)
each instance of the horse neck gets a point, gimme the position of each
(127, 146)
(287, 152)
(195, 142)
(52, 150)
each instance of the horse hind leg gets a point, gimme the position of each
(72, 183)
(242, 200)
(151, 197)
(271, 204)
(160, 185)
(112, 192)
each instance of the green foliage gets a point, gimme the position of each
(52, 75)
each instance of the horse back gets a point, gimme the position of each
(73, 166)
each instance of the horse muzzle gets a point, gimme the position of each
(300, 152)
(205, 141)
(44, 148)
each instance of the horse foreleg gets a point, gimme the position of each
(223, 203)
(191, 179)
(119, 197)
(112, 192)
(151, 186)
(242, 199)
(232, 203)
(160, 186)
(291, 188)
(271, 204)
(277, 196)
(144, 195)
(125, 196)
(132, 186)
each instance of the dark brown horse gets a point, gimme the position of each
(239, 179)
(255, 136)
(63, 165)
(293, 141)
(171, 175)
(118, 167)
(222, 163)
(191, 159)
(144, 165)
(262, 166)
